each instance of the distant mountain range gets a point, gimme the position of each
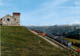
(71, 31)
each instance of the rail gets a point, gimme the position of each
(59, 44)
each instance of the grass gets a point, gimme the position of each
(72, 40)
(75, 47)
(18, 41)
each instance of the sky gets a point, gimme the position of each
(43, 12)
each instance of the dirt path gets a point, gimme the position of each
(52, 43)
(55, 43)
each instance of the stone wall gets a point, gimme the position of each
(16, 19)
(11, 20)
(7, 20)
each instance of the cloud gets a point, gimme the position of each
(76, 22)
(55, 3)
(1, 3)
(51, 11)
(6, 2)
(48, 8)
(77, 2)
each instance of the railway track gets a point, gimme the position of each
(57, 43)
(61, 45)
(73, 49)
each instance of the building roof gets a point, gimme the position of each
(7, 15)
(16, 13)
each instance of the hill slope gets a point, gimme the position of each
(18, 41)
(74, 34)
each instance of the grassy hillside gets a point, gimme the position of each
(18, 41)
(74, 34)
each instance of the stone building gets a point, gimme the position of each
(10, 20)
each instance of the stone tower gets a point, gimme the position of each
(11, 20)
(16, 18)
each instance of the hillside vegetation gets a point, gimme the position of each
(19, 41)
(74, 35)
(56, 30)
